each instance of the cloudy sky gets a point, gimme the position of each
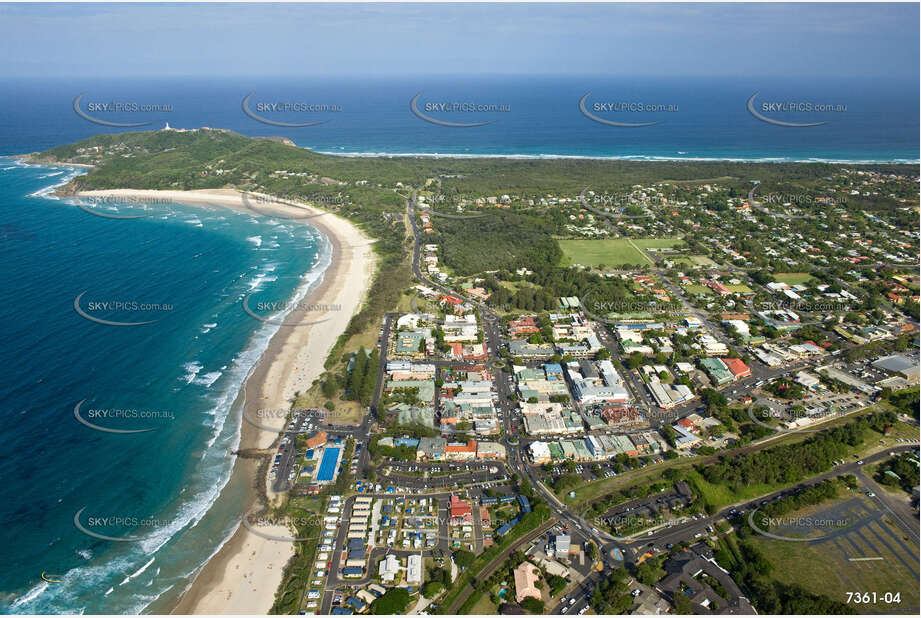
(793, 40)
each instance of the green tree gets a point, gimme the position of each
(464, 558)
(532, 605)
(394, 601)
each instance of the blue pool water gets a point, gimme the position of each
(328, 464)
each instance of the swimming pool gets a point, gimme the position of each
(328, 464)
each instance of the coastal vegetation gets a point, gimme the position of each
(899, 471)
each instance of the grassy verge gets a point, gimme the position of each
(290, 593)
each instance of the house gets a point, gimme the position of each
(526, 577)
(356, 603)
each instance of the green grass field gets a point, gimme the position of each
(658, 243)
(609, 251)
(614, 251)
(741, 288)
(823, 568)
(696, 288)
(794, 278)
(484, 606)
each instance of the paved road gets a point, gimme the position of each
(687, 531)
(382, 371)
(492, 324)
(582, 594)
(900, 510)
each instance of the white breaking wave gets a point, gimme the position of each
(633, 157)
(192, 370)
(208, 379)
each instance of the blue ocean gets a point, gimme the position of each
(179, 277)
(186, 270)
(865, 119)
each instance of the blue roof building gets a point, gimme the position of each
(525, 503)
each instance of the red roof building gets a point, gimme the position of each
(525, 326)
(737, 367)
(455, 450)
(460, 511)
(317, 439)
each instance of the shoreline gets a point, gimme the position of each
(636, 158)
(243, 575)
(632, 158)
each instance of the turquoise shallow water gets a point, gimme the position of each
(188, 269)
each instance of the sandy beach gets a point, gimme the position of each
(243, 576)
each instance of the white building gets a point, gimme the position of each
(460, 328)
(389, 568)
(540, 452)
(414, 570)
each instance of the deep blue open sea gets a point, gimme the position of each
(535, 116)
(183, 370)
